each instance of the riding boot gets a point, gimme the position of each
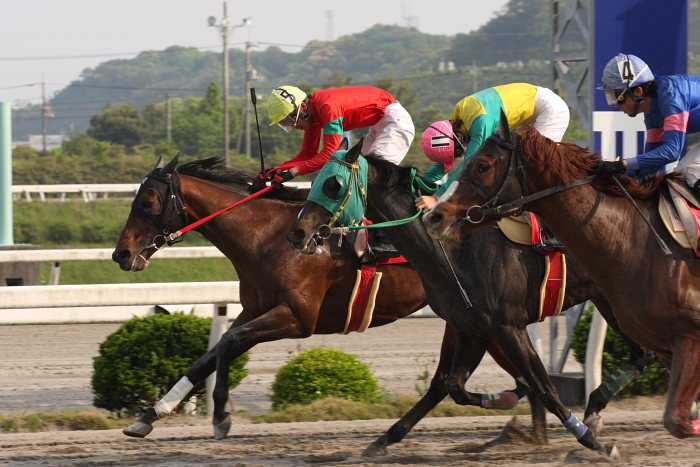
(380, 245)
(548, 242)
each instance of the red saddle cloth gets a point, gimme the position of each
(361, 305)
(552, 292)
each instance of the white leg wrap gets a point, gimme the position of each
(173, 397)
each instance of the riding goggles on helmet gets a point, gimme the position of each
(290, 121)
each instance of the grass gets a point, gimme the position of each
(329, 409)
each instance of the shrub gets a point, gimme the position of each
(654, 380)
(319, 373)
(145, 357)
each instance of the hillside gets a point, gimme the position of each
(382, 51)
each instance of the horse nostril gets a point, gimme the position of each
(120, 256)
(433, 218)
(295, 236)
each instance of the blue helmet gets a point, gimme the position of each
(625, 71)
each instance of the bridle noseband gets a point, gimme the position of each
(491, 208)
(173, 214)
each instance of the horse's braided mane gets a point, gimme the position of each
(569, 162)
(214, 169)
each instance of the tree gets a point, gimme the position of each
(120, 125)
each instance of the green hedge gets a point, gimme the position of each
(318, 373)
(139, 363)
(654, 380)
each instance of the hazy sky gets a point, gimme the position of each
(54, 40)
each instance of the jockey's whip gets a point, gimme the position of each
(454, 274)
(658, 238)
(254, 100)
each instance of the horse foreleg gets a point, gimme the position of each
(436, 392)
(202, 368)
(684, 386)
(278, 323)
(509, 399)
(516, 343)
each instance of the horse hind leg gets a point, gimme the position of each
(684, 387)
(436, 392)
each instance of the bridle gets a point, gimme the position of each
(491, 208)
(173, 213)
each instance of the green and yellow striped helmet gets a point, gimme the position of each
(282, 101)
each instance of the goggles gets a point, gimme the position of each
(613, 99)
(289, 122)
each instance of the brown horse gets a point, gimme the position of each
(655, 297)
(284, 294)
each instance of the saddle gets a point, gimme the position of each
(679, 209)
(525, 230)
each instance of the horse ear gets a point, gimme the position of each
(159, 164)
(354, 153)
(503, 130)
(172, 164)
(344, 144)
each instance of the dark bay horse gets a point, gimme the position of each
(655, 297)
(502, 280)
(284, 294)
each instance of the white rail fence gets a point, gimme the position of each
(88, 192)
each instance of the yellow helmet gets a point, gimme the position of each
(282, 101)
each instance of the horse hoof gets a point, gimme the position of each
(138, 429)
(221, 429)
(613, 453)
(594, 422)
(374, 450)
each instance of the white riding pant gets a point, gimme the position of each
(391, 137)
(551, 117)
(689, 166)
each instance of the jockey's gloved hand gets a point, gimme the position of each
(282, 177)
(608, 168)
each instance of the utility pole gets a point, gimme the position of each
(224, 28)
(168, 118)
(44, 118)
(250, 75)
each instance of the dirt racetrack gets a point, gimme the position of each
(459, 441)
(48, 368)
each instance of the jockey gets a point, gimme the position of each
(476, 117)
(328, 113)
(671, 108)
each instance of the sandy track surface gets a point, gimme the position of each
(459, 441)
(49, 367)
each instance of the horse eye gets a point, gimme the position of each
(482, 168)
(332, 188)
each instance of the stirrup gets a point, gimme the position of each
(548, 245)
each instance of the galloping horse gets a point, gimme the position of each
(655, 297)
(284, 294)
(502, 279)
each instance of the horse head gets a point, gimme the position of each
(157, 210)
(337, 197)
(493, 175)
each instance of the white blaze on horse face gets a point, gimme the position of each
(446, 195)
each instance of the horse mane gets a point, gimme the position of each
(391, 174)
(214, 169)
(568, 162)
